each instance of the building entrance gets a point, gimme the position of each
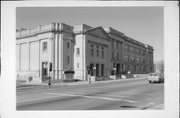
(118, 73)
(97, 69)
(44, 71)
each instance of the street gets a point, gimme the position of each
(135, 94)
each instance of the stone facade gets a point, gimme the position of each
(56, 49)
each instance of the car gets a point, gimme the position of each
(155, 77)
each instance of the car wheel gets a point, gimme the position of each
(149, 81)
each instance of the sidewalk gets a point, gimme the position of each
(29, 85)
(157, 107)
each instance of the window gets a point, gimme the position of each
(92, 46)
(126, 58)
(137, 60)
(144, 69)
(77, 51)
(97, 50)
(68, 45)
(44, 46)
(92, 52)
(143, 60)
(137, 51)
(102, 54)
(131, 49)
(117, 45)
(132, 59)
(129, 58)
(97, 53)
(126, 47)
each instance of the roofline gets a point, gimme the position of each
(99, 27)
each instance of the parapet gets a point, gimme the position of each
(44, 28)
(110, 30)
(81, 28)
(24, 32)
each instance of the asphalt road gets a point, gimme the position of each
(117, 95)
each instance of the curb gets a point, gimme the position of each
(34, 85)
(93, 82)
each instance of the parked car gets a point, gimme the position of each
(155, 77)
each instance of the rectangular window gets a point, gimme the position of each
(92, 46)
(143, 60)
(139, 51)
(102, 54)
(144, 52)
(68, 59)
(126, 58)
(134, 50)
(126, 47)
(131, 49)
(117, 45)
(44, 46)
(97, 53)
(92, 52)
(77, 51)
(68, 45)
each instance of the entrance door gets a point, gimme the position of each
(44, 71)
(118, 69)
(102, 69)
(97, 69)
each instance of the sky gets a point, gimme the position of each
(144, 24)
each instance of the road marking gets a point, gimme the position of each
(94, 97)
(114, 96)
(36, 99)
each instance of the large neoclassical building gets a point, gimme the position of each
(57, 49)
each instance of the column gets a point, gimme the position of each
(57, 37)
(61, 53)
(53, 40)
(39, 58)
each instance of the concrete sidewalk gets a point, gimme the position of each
(30, 85)
(157, 107)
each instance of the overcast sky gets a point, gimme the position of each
(144, 24)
